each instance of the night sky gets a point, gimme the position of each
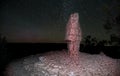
(45, 20)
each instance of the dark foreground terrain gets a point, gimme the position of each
(13, 51)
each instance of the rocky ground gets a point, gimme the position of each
(59, 64)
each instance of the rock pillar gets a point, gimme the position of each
(73, 36)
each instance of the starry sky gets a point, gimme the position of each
(45, 20)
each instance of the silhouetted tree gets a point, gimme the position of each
(88, 40)
(3, 48)
(102, 43)
(4, 55)
(94, 41)
(115, 40)
(4, 42)
(113, 21)
(91, 45)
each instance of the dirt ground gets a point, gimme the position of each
(59, 64)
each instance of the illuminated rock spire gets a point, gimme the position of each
(73, 36)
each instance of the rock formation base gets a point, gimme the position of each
(59, 64)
